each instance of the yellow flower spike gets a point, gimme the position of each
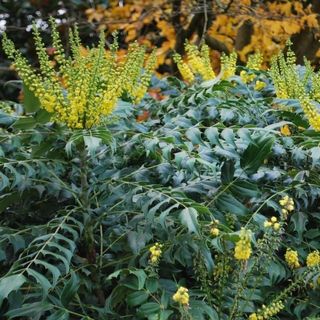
(292, 259)
(287, 205)
(242, 249)
(205, 55)
(228, 65)
(183, 68)
(156, 252)
(85, 87)
(255, 61)
(195, 61)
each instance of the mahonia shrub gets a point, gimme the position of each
(81, 89)
(203, 205)
(291, 84)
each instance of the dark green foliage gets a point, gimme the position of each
(81, 209)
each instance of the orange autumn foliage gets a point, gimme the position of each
(154, 23)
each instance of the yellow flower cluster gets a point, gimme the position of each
(273, 222)
(284, 75)
(205, 56)
(81, 89)
(142, 87)
(285, 130)
(155, 253)
(287, 205)
(214, 230)
(313, 259)
(259, 85)
(5, 107)
(247, 77)
(292, 258)
(315, 80)
(310, 110)
(183, 68)
(267, 312)
(198, 62)
(242, 249)
(254, 63)
(181, 296)
(228, 65)
(288, 84)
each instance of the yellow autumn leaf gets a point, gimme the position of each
(311, 21)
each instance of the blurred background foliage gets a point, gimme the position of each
(226, 25)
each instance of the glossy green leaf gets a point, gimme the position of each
(70, 289)
(256, 153)
(9, 284)
(189, 218)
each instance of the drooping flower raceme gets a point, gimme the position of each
(83, 88)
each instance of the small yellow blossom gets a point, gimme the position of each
(214, 232)
(183, 68)
(259, 85)
(253, 316)
(276, 226)
(292, 259)
(267, 224)
(242, 249)
(285, 130)
(287, 205)
(181, 296)
(313, 259)
(155, 252)
(246, 77)
(272, 223)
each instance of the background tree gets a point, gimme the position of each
(225, 25)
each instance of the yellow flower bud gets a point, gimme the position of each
(276, 226)
(214, 232)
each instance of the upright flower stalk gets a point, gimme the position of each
(80, 90)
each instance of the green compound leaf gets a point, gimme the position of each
(255, 154)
